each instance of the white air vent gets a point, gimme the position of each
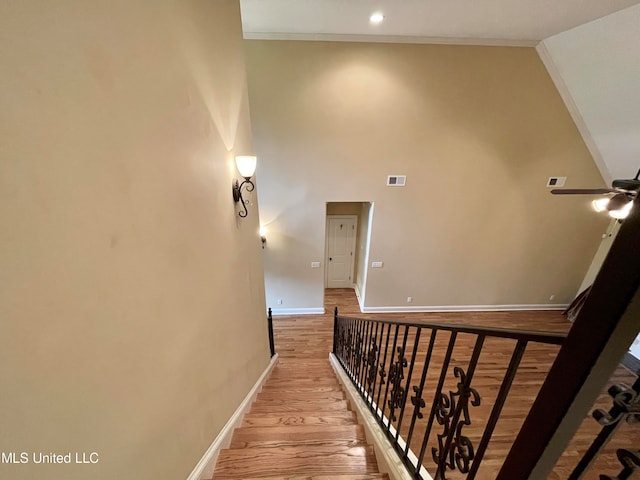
(396, 180)
(556, 181)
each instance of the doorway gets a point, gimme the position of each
(337, 272)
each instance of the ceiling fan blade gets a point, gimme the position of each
(583, 191)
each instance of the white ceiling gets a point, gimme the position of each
(508, 22)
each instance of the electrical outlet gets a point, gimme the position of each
(552, 297)
(279, 301)
(409, 299)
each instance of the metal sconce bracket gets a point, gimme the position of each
(237, 194)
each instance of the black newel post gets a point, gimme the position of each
(270, 326)
(335, 329)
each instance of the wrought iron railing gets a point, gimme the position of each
(399, 369)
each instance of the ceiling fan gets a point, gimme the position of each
(619, 205)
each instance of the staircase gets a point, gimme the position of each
(300, 426)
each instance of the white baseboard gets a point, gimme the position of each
(205, 467)
(388, 460)
(359, 298)
(297, 311)
(464, 308)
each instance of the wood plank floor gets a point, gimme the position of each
(287, 420)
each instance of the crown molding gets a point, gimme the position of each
(404, 39)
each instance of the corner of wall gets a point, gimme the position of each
(556, 76)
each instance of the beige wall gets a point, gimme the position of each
(477, 131)
(344, 208)
(132, 298)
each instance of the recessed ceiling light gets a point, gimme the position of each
(376, 17)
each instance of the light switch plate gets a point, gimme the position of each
(376, 264)
(315, 264)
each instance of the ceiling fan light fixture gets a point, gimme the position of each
(618, 201)
(600, 205)
(621, 213)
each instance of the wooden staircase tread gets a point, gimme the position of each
(300, 418)
(295, 460)
(284, 395)
(303, 382)
(278, 407)
(244, 437)
(301, 388)
(357, 476)
(252, 443)
(302, 375)
(304, 397)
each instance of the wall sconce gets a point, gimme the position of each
(263, 236)
(246, 166)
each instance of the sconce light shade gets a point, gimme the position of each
(246, 165)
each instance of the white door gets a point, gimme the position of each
(341, 246)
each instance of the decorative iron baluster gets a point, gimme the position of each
(436, 399)
(460, 453)
(416, 400)
(342, 339)
(416, 343)
(396, 374)
(375, 367)
(630, 461)
(456, 450)
(365, 356)
(371, 361)
(383, 373)
(350, 339)
(626, 407)
(359, 349)
(390, 382)
(347, 343)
